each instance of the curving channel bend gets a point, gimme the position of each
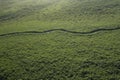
(63, 30)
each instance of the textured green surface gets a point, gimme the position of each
(59, 55)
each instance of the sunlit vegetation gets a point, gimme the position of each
(59, 55)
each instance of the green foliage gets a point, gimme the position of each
(59, 55)
(80, 15)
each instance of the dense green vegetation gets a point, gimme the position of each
(59, 55)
